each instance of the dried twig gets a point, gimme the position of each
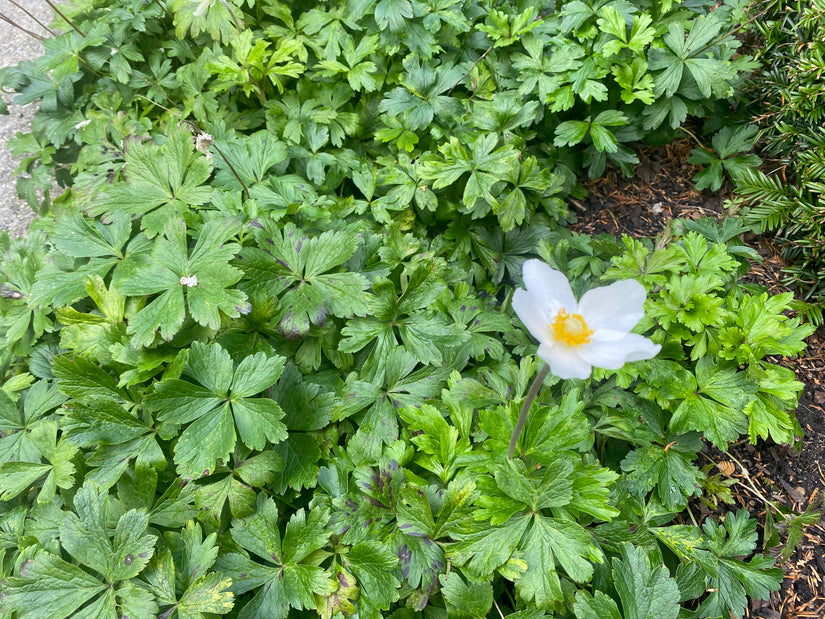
(40, 23)
(66, 19)
(19, 27)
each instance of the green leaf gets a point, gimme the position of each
(118, 437)
(305, 274)
(466, 599)
(306, 407)
(424, 332)
(86, 538)
(209, 439)
(278, 569)
(484, 550)
(372, 563)
(250, 157)
(80, 378)
(668, 470)
(76, 236)
(505, 29)
(711, 75)
(201, 590)
(200, 278)
(47, 581)
(716, 406)
(163, 182)
(15, 477)
(717, 553)
(484, 164)
(17, 424)
(420, 98)
(597, 606)
(733, 580)
(645, 592)
(300, 454)
(216, 411)
(392, 14)
(635, 81)
(571, 132)
(552, 542)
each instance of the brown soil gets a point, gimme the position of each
(790, 476)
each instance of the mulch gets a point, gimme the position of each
(792, 476)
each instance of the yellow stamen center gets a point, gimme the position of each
(570, 329)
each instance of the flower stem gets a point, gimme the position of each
(525, 408)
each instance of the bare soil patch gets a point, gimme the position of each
(791, 476)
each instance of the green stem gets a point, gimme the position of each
(525, 408)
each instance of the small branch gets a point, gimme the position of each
(19, 27)
(525, 408)
(195, 127)
(163, 8)
(232, 168)
(40, 23)
(475, 64)
(66, 19)
(752, 486)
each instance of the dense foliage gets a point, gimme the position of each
(786, 196)
(260, 359)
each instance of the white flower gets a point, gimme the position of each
(575, 336)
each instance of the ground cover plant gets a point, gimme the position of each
(261, 359)
(785, 196)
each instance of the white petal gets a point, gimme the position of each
(618, 307)
(606, 335)
(532, 314)
(549, 286)
(613, 355)
(564, 361)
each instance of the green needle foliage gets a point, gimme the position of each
(787, 100)
(260, 360)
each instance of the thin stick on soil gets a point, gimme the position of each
(19, 27)
(66, 19)
(749, 484)
(40, 23)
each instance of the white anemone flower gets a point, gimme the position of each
(576, 336)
